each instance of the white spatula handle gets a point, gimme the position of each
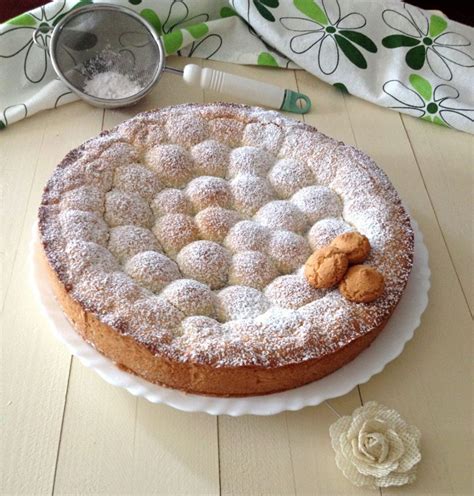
(247, 89)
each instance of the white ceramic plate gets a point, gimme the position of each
(388, 345)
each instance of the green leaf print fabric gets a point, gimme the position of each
(387, 52)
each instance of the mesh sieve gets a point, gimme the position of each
(90, 44)
(106, 38)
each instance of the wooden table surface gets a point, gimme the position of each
(66, 431)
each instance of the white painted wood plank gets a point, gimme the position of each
(328, 113)
(97, 442)
(114, 443)
(35, 365)
(283, 454)
(313, 457)
(446, 161)
(430, 383)
(19, 147)
(255, 457)
(315, 471)
(175, 452)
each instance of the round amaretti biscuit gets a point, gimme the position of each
(362, 284)
(355, 245)
(325, 267)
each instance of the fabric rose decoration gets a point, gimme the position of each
(375, 447)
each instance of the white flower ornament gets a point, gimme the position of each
(375, 447)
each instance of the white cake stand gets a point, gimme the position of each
(388, 345)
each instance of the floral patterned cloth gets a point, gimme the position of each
(387, 52)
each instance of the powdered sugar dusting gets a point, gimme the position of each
(210, 158)
(215, 222)
(282, 214)
(288, 176)
(325, 230)
(206, 261)
(249, 193)
(253, 269)
(111, 85)
(83, 226)
(122, 217)
(317, 202)
(247, 235)
(127, 241)
(240, 302)
(266, 136)
(123, 208)
(137, 179)
(152, 270)
(288, 250)
(249, 160)
(207, 191)
(171, 201)
(191, 297)
(175, 231)
(87, 198)
(292, 291)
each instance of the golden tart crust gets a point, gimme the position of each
(176, 244)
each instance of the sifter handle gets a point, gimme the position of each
(248, 89)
